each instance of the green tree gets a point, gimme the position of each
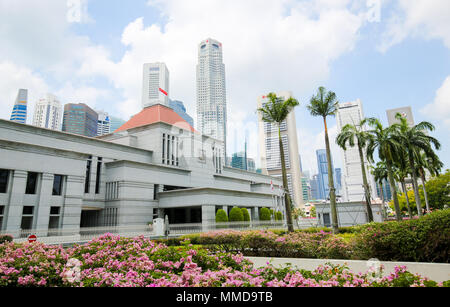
(245, 214)
(236, 215)
(276, 112)
(401, 171)
(355, 135)
(389, 148)
(433, 165)
(438, 190)
(325, 104)
(380, 174)
(264, 214)
(415, 139)
(221, 216)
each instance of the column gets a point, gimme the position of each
(42, 214)
(73, 200)
(255, 214)
(14, 209)
(208, 217)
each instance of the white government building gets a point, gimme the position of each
(156, 164)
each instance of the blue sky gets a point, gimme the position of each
(400, 59)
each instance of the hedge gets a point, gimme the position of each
(236, 215)
(264, 214)
(245, 214)
(221, 216)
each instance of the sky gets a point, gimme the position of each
(387, 53)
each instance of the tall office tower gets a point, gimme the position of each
(338, 180)
(48, 113)
(80, 119)
(353, 190)
(241, 161)
(180, 109)
(116, 123)
(155, 85)
(322, 166)
(386, 191)
(406, 112)
(314, 182)
(103, 123)
(211, 91)
(306, 189)
(19, 112)
(270, 149)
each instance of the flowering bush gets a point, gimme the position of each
(111, 261)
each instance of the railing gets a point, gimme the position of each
(80, 235)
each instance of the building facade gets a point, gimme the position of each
(154, 166)
(270, 149)
(103, 123)
(322, 178)
(19, 112)
(352, 183)
(116, 123)
(405, 112)
(80, 119)
(241, 161)
(155, 85)
(211, 91)
(48, 113)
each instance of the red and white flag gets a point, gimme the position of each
(271, 185)
(163, 91)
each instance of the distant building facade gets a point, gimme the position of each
(116, 123)
(405, 112)
(48, 113)
(80, 119)
(155, 85)
(180, 109)
(103, 123)
(241, 161)
(19, 112)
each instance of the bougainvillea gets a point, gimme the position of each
(112, 261)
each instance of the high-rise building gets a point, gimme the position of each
(19, 112)
(306, 189)
(48, 113)
(406, 112)
(211, 91)
(270, 149)
(103, 123)
(116, 123)
(338, 180)
(314, 182)
(155, 86)
(241, 161)
(322, 166)
(386, 191)
(352, 183)
(80, 119)
(180, 109)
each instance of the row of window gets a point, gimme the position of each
(28, 217)
(170, 150)
(31, 183)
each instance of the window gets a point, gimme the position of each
(88, 175)
(2, 213)
(97, 180)
(54, 217)
(4, 174)
(31, 183)
(57, 185)
(27, 217)
(326, 220)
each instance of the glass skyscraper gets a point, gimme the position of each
(180, 109)
(80, 119)
(19, 112)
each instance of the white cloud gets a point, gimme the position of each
(418, 18)
(14, 78)
(439, 109)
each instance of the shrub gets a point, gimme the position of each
(423, 240)
(221, 216)
(246, 215)
(264, 214)
(278, 216)
(5, 238)
(236, 215)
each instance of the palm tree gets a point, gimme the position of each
(389, 148)
(350, 134)
(276, 111)
(431, 163)
(325, 104)
(416, 139)
(400, 173)
(380, 174)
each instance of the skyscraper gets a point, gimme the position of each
(116, 123)
(19, 112)
(180, 109)
(270, 149)
(103, 123)
(322, 166)
(241, 161)
(155, 85)
(352, 183)
(314, 182)
(48, 113)
(211, 91)
(80, 119)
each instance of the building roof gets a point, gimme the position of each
(154, 114)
